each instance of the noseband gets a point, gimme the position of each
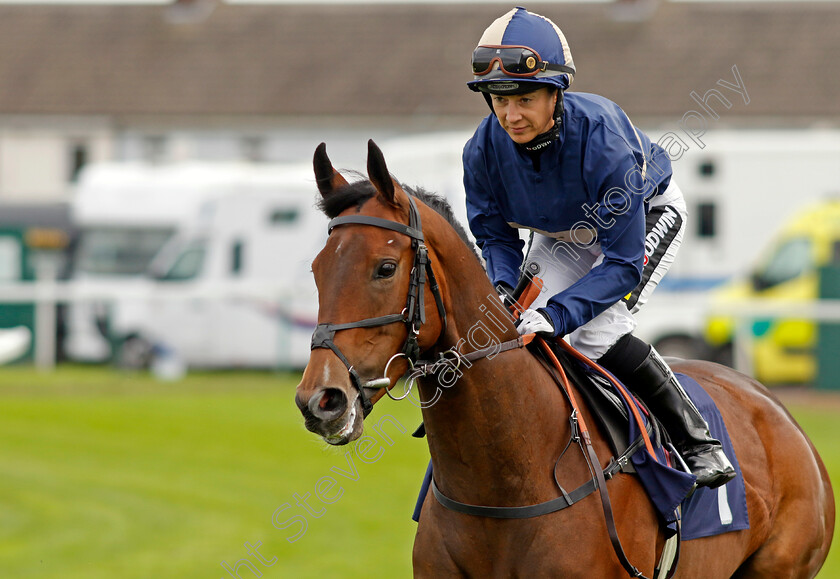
(414, 313)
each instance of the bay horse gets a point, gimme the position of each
(398, 278)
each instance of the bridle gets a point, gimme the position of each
(414, 313)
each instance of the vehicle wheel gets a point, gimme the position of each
(685, 347)
(135, 353)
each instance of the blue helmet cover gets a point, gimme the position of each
(522, 28)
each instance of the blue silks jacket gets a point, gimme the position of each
(596, 178)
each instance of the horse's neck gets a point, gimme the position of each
(503, 416)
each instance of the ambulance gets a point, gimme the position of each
(790, 275)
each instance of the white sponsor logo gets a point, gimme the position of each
(654, 237)
(502, 86)
(539, 146)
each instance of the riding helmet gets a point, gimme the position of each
(522, 30)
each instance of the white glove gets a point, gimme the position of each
(535, 322)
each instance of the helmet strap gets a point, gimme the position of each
(487, 97)
(559, 108)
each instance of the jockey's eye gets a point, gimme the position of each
(386, 269)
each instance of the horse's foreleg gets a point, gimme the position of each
(431, 558)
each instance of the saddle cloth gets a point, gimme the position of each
(714, 511)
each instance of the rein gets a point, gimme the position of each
(431, 367)
(414, 313)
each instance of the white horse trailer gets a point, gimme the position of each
(209, 263)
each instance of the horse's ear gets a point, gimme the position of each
(326, 176)
(378, 172)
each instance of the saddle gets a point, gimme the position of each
(607, 407)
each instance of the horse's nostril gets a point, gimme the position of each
(328, 404)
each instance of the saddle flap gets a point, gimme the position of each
(606, 405)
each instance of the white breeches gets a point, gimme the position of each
(559, 268)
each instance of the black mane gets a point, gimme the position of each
(359, 192)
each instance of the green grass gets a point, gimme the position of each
(108, 475)
(105, 475)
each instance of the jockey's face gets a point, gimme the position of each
(524, 116)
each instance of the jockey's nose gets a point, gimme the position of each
(513, 112)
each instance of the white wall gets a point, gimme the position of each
(36, 162)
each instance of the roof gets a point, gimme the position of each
(404, 59)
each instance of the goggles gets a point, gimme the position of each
(513, 61)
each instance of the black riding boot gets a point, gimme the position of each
(654, 381)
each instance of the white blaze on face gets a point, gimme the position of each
(326, 380)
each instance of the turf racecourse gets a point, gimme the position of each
(108, 475)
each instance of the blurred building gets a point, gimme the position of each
(205, 80)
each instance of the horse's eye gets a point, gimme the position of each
(386, 269)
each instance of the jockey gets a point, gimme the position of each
(605, 215)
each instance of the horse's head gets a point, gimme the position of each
(374, 292)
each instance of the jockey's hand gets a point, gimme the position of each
(535, 322)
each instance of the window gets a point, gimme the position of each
(236, 257)
(10, 259)
(283, 216)
(78, 160)
(791, 260)
(154, 148)
(187, 265)
(707, 169)
(253, 149)
(112, 251)
(706, 220)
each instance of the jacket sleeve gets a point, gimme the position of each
(610, 168)
(500, 244)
